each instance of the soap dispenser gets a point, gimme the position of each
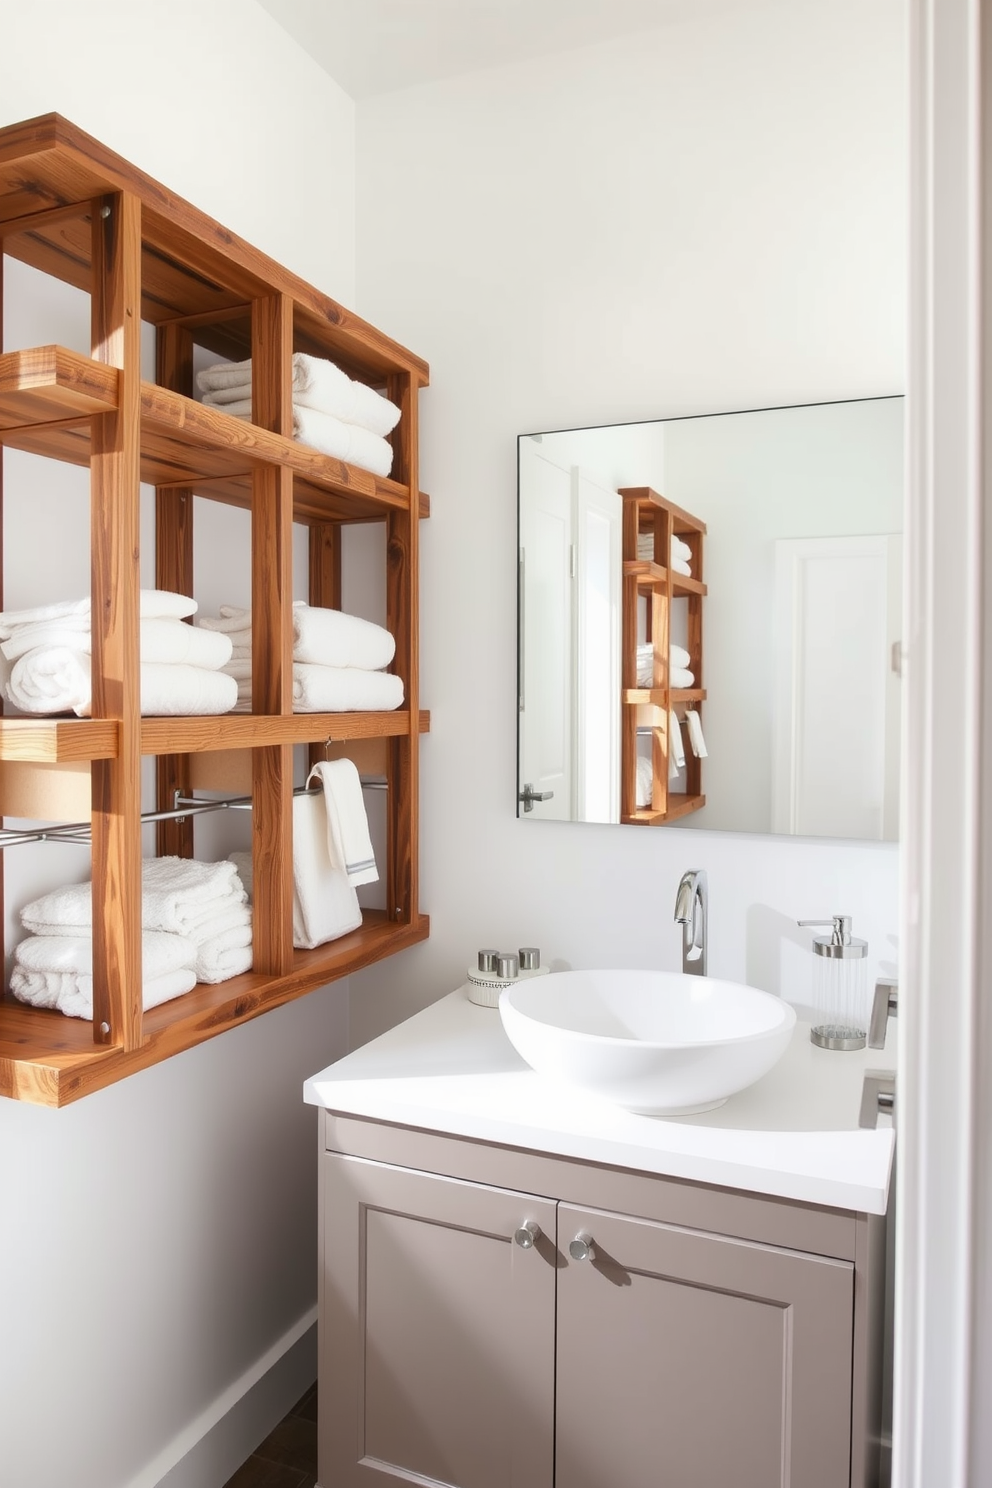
(840, 986)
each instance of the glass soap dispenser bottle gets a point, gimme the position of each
(840, 986)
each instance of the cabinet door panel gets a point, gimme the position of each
(697, 1361)
(437, 1350)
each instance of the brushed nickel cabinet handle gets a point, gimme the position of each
(527, 1235)
(582, 1248)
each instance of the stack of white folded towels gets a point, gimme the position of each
(45, 659)
(338, 660)
(680, 556)
(679, 674)
(331, 412)
(195, 927)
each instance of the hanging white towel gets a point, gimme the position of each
(696, 739)
(349, 845)
(676, 749)
(325, 904)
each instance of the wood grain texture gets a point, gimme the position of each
(51, 1060)
(324, 582)
(55, 740)
(402, 619)
(50, 383)
(174, 572)
(48, 162)
(114, 536)
(246, 731)
(271, 618)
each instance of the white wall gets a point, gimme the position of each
(158, 1239)
(705, 216)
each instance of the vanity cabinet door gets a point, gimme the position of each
(437, 1332)
(697, 1361)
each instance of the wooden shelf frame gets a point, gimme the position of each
(656, 582)
(74, 210)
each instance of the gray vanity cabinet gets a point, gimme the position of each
(695, 1338)
(437, 1356)
(699, 1360)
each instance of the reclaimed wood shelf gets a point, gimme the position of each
(75, 211)
(652, 585)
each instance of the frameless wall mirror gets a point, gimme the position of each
(709, 619)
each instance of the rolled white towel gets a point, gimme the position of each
(51, 679)
(317, 383)
(679, 566)
(681, 677)
(645, 781)
(75, 614)
(332, 638)
(57, 972)
(320, 689)
(678, 656)
(171, 642)
(46, 634)
(680, 549)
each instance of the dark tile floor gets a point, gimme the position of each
(287, 1458)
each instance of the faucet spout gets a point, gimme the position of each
(691, 904)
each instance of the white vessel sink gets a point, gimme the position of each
(659, 1043)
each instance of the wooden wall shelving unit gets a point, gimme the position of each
(74, 210)
(655, 581)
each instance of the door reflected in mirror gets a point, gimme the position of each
(709, 621)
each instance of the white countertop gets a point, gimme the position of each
(794, 1134)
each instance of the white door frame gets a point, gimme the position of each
(942, 1434)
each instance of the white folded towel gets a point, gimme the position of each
(178, 691)
(678, 656)
(172, 642)
(679, 566)
(680, 677)
(46, 634)
(680, 549)
(317, 383)
(320, 689)
(332, 436)
(225, 955)
(644, 787)
(178, 895)
(231, 618)
(325, 904)
(75, 613)
(349, 845)
(332, 638)
(57, 971)
(676, 749)
(239, 668)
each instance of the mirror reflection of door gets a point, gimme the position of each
(569, 658)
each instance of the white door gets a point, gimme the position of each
(598, 537)
(545, 633)
(836, 715)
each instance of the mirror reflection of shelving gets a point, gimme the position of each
(803, 514)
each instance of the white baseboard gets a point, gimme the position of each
(211, 1448)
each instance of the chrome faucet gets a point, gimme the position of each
(690, 913)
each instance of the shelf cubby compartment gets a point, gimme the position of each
(73, 210)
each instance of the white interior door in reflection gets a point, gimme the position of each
(598, 529)
(836, 709)
(546, 600)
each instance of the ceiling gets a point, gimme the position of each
(376, 46)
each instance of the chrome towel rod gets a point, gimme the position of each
(79, 832)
